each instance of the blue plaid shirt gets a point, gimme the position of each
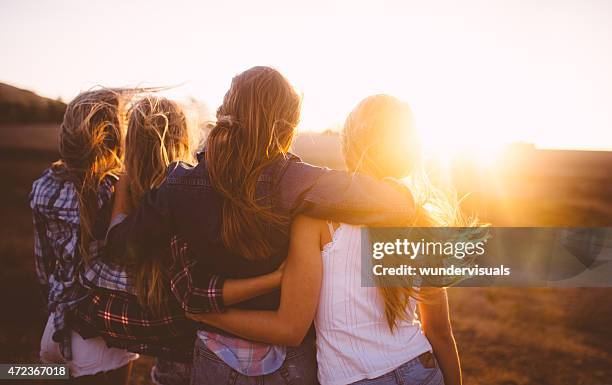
(55, 210)
(107, 274)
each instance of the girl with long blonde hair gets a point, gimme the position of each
(364, 334)
(67, 202)
(157, 135)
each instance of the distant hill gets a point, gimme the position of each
(18, 106)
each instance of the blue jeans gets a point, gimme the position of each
(166, 372)
(423, 370)
(299, 368)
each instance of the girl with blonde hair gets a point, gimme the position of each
(157, 135)
(68, 201)
(365, 335)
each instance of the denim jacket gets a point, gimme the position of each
(187, 204)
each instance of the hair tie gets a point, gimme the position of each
(227, 122)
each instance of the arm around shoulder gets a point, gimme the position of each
(300, 288)
(347, 197)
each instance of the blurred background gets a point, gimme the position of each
(513, 101)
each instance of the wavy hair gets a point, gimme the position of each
(90, 150)
(157, 135)
(255, 127)
(379, 138)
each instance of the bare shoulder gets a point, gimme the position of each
(316, 230)
(305, 222)
(303, 225)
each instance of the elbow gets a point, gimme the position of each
(294, 336)
(439, 334)
(293, 342)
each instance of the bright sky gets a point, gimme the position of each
(475, 72)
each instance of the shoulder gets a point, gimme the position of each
(295, 176)
(304, 221)
(46, 179)
(50, 190)
(293, 163)
(182, 172)
(304, 226)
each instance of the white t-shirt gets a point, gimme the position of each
(353, 338)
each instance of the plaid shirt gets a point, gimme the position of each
(109, 274)
(114, 312)
(55, 210)
(247, 357)
(119, 318)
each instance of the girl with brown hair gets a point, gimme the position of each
(67, 201)
(365, 335)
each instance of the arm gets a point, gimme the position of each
(121, 201)
(238, 290)
(42, 252)
(198, 291)
(299, 294)
(43, 257)
(143, 231)
(345, 197)
(437, 327)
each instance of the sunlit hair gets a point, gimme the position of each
(379, 138)
(157, 136)
(90, 150)
(255, 126)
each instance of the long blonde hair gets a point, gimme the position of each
(157, 135)
(379, 139)
(90, 150)
(255, 126)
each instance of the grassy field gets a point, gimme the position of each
(505, 336)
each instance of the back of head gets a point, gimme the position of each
(157, 136)
(90, 150)
(92, 131)
(255, 126)
(379, 138)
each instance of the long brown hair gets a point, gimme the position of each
(90, 150)
(157, 136)
(379, 138)
(255, 126)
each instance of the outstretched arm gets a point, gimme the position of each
(199, 291)
(300, 288)
(344, 196)
(437, 327)
(239, 290)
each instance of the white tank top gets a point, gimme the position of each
(353, 338)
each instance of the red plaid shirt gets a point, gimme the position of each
(120, 319)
